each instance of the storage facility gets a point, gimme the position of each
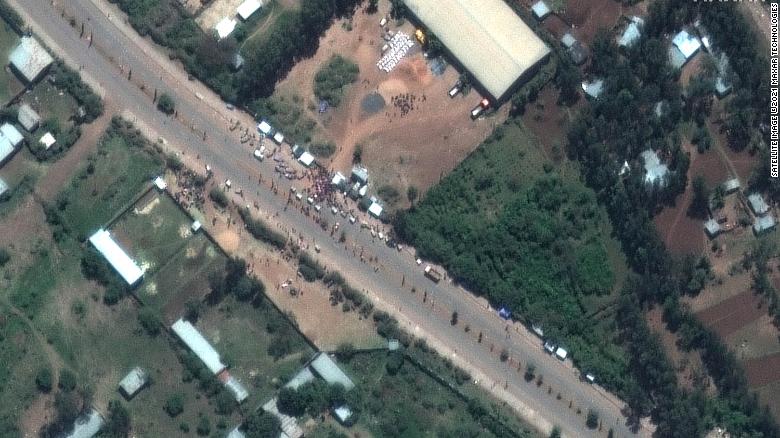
(487, 38)
(116, 257)
(199, 345)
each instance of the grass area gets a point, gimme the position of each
(509, 224)
(408, 402)
(232, 324)
(20, 356)
(52, 103)
(21, 174)
(286, 113)
(106, 184)
(9, 85)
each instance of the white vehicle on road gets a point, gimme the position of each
(260, 153)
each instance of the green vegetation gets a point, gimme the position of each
(166, 104)
(219, 197)
(311, 398)
(124, 163)
(69, 80)
(286, 114)
(331, 80)
(261, 231)
(5, 257)
(261, 424)
(323, 150)
(43, 380)
(526, 236)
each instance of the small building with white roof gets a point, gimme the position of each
(225, 27)
(757, 204)
(86, 426)
(116, 257)
(343, 415)
(133, 382)
(4, 189)
(375, 209)
(30, 59)
(236, 433)
(632, 32)
(561, 353)
(328, 370)
(684, 47)
(195, 341)
(731, 185)
(712, 228)
(235, 387)
(540, 10)
(655, 171)
(306, 159)
(10, 139)
(764, 224)
(593, 89)
(279, 138)
(47, 140)
(248, 8)
(304, 376)
(160, 183)
(28, 118)
(265, 128)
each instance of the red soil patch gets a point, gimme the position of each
(548, 121)
(733, 313)
(763, 371)
(681, 233)
(556, 26)
(588, 16)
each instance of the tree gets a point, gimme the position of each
(149, 320)
(261, 424)
(246, 288)
(357, 154)
(174, 405)
(118, 421)
(395, 361)
(411, 194)
(567, 80)
(166, 104)
(224, 403)
(398, 9)
(454, 318)
(67, 381)
(291, 402)
(345, 351)
(556, 432)
(372, 6)
(699, 206)
(592, 420)
(204, 426)
(43, 380)
(192, 309)
(5, 257)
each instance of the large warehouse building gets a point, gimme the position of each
(487, 38)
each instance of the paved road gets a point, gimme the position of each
(116, 50)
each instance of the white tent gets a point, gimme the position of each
(306, 159)
(47, 140)
(375, 209)
(225, 27)
(265, 128)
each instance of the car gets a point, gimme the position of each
(310, 200)
(549, 346)
(352, 219)
(299, 196)
(419, 262)
(318, 207)
(334, 210)
(228, 183)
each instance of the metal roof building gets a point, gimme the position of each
(86, 426)
(327, 368)
(632, 32)
(764, 224)
(593, 89)
(712, 227)
(684, 46)
(30, 59)
(133, 382)
(10, 138)
(247, 8)
(304, 376)
(28, 118)
(199, 345)
(731, 185)
(116, 257)
(655, 171)
(757, 204)
(487, 38)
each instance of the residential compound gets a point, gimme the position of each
(487, 38)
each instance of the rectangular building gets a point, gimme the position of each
(116, 257)
(487, 38)
(199, 345)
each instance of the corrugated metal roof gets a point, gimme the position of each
(116, 257)
(327, 368)
(30, 58)
(199, 345)
(486, 36)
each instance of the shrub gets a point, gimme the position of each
(219, 197)
(174, 405)
(67, 380)
(5, 257)
(166, 104)
(323, 150)
(43, 380)
(592, 420)
(204, 426)
(150, 321)
(261, 231)
(332, 79)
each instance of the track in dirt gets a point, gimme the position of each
(730, 315)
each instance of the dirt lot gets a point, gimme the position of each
(729, 315)
(402, 150)
(215, 12)
(764, 370)
(588, 16)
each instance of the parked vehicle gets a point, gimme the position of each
(479, 109)
(455, 89)
(432, 273)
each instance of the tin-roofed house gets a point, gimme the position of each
(10, 139)
(28, 118)
(684, 46)
(133, 382)
(757, 204)
(30, 59)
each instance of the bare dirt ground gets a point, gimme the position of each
(588, 16)
(402, 150)
(763, 371)
(715, 293)
(549, 121)
(757, 15)
(215, 12)
(729, 315)
(755, 340)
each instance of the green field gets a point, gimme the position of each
(509, 224)
(243, 334)
(110, 180)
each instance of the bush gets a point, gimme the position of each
(43, 380)
(166, 104)
(204, 426)
(150, 321)
(219, 197)
(5, 257)
(67, 380)
(261, 424)
(592, 420)
(323, 150)
(174, 405)
(261, 231)
(70, 80)
(333, 77)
